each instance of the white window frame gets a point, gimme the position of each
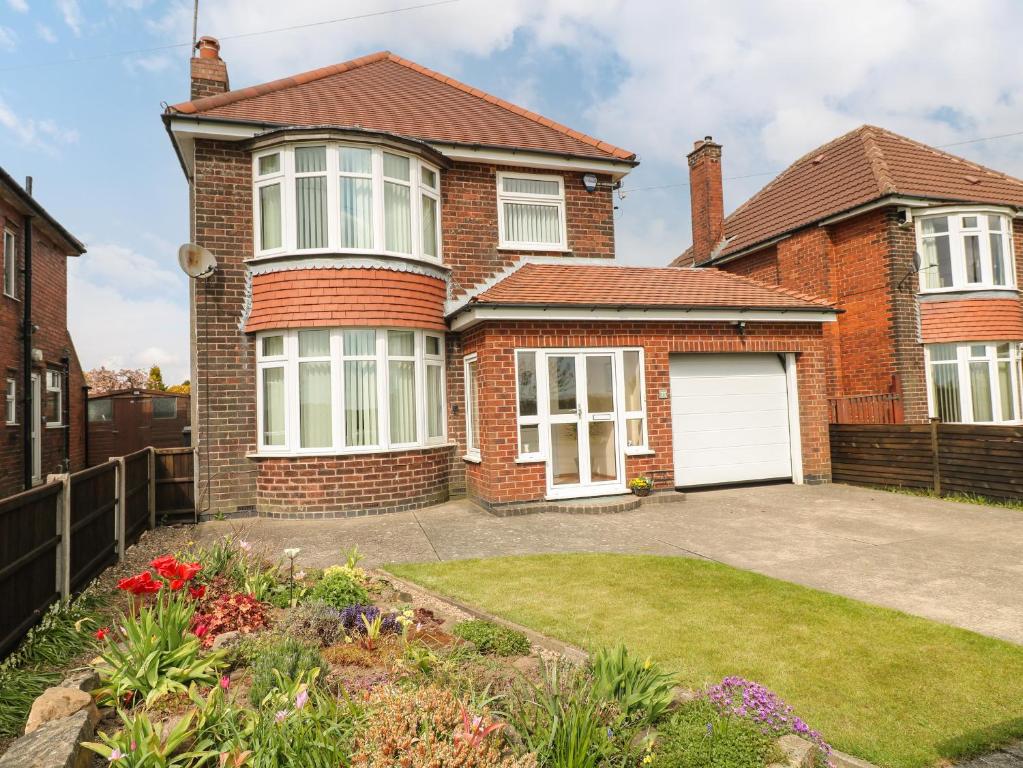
(472, 452)
(55, 386)
(644, 444)
(289, 361)
(529, 421)
(10, 264)
(964, 356)
(531, 199)
(434, 361)
(289, 209)
(956, 233)
(11, 402)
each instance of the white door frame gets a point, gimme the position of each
(795, 434)
(581, 417)
(37, 431)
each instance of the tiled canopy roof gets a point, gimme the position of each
(388, 93)
(637, 287)
(862, 166)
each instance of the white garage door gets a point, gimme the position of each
(730, 419)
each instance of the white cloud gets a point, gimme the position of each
(21, 6)
(8, 39)
(126, 310)
(71, 12)
(42, 134)
(155, 63)
(45, 33)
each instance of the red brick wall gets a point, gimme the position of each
(351, 486)
(303, 298)
(762, 266)
(470, 229)
(49, 313)
(498, 479)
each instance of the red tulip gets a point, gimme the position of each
(197, 593)
(200, 630)
(102, 632)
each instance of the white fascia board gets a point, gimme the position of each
(884, 202)
(477, 315)
(214, 129)
(528, 159)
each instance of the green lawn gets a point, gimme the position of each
(894, 689)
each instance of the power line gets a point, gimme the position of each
(629, 191)
(240, 35)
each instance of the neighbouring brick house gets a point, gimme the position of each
(416, 297)
(921, 250)
(42, 430)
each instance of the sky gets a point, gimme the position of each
(81, 88)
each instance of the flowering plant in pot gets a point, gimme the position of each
(641, 486)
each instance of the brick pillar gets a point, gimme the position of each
(705, 190)
(905, 318)
(209, 72)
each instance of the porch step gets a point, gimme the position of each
(598, 505)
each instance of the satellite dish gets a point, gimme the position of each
(196, 261)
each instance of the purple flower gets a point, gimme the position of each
(351, 619)
(301, 698)
(280, 716)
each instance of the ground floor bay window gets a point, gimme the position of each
(974, 382)
(349, 390)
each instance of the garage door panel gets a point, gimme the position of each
(730, 418)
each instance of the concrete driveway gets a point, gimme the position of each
(956, 563)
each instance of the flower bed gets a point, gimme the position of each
(225, 657)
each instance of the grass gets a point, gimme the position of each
(962, 498)
(894, 689)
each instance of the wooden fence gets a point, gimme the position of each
(884, 408)
(175, 489)
(964, 458)
(58, 537)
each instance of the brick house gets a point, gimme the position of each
(43, 425)
(921, 250)
(416, 297)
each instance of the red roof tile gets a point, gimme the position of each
(862, 166)
(388, 93)
(620, 286)
(971, 320)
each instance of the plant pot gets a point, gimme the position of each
(641, 491)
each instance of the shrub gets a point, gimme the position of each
(230, 613)
(288, 660)
(490, 638)
(427, 727)
(316, 623)
(641, 689)
(158, 654)
(339, 589)
(698, 736)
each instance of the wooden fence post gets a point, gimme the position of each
(936, 464)
(120, 494)
(152, 488)
(63, 527)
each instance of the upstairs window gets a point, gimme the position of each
(10, 276)
(531, 212)
(333, 197)
(11, 402)
(969, 249)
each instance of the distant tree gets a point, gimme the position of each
(156, 379)
(184, 388)
(102, 379)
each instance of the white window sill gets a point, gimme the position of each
(640, 452)
(341, 252)
(54, 426)
(530, 459)
(966, 289)
(265, 454)
(534, 248)
(472, 459)
(13, 298)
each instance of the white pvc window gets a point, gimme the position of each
(10, 275)
(11, 402)
(528, 404)
(348, 390)
(435, 409)
(472, 407)
(54, 398)
(974, 383)
(634, 401)
(531, 212)
(331, 197)
(965, 249)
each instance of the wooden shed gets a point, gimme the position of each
(128, 420)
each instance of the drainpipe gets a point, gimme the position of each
(26, 336)
(65, 361)
(85, 423)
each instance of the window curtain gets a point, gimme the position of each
(434, 401)
(472, 397)
(429, 224)
(270, 217)
(1005, 390)
(397, 218)
(402, 385)
(525, 223)
(273, 406)
(980, 390)
(946, 392)
(360, 402)
(356, 212)
(314, 405)
(311, 198)
(515, 185)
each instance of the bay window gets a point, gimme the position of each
(339, 197)
(964, 250)
(974, 382)
(531, 211)
(349, 390)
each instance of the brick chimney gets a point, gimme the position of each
(708, 205)
(209, 72)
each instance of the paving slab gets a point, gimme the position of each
(956, 563)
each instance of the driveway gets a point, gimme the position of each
(956, 563)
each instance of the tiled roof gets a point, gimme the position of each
(620, 286)
(862, 166)
(388, 93)
(971, 320)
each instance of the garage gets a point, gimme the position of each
(734, 418)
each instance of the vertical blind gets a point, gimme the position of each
(314, 405)
(270, 217)
(402, 385)
(434, 400)
(273, 406)
(397, 204)
(529, 223)
(361, 402)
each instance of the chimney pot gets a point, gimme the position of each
(208, 47)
